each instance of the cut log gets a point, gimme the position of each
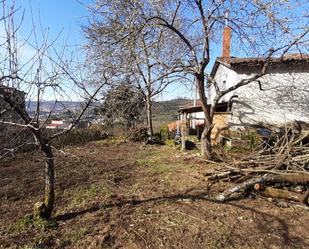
(281, 193)
(258, 186)
(266, 179)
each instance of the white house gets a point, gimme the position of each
(57, 124)
(279, 97)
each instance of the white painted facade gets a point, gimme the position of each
(284, 96)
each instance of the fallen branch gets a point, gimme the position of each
(266, 179)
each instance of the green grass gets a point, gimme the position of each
(111, 140)
(143, 162)
(81, 196)
(21, 225)
(28, 222)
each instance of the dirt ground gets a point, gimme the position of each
(123, 195)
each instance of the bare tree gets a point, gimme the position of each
(262, 28)
(117, 33)
(44, 73)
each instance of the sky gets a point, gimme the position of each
(66, 17)
(59, 16)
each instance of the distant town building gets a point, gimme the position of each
(57, 124)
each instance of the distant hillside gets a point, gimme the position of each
(47, 106)
(58, 108)
(163, 111)
(166, 111)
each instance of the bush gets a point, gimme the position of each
(164, 133)
(80, 136)
(170, 143)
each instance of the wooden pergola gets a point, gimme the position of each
(221, 109)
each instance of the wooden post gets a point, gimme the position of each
(183, 131)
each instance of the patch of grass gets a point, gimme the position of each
(238, 149)
(28, 222)
(73, 237)
(42, 225)
(21, 225)
(222, 238)
(151, 158)
(193, 138)
(28, 247)
(83, 195)
(111, 140)
(40, 241)
(160, 169)
(144, 162)
(170, 143)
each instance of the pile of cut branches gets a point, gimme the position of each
(278, 171)
(139, 134)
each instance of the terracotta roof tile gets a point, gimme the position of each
(234, 61)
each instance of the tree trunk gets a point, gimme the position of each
(206, 148)
(149, 115)
(49, 182)
(45, 209)
(183, 132)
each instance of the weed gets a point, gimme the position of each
(73, 237)
(42, 224)
(164, 133)
(170, 143)
(28, 221)
(21, 224)
(143, 162)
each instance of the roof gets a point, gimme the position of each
(189, 108)
(54, 125)
(253, 62)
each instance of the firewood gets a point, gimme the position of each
(258, 186)
(266, 179)
(285, 164)
(281, 193)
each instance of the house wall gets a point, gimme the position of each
(284, 96)
(225, 78)
(220, 121)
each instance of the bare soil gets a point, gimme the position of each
(123, 195)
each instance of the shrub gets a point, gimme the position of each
(164, 133)
(79, 136)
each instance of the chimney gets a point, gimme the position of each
(226, 44)
(226, 40)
